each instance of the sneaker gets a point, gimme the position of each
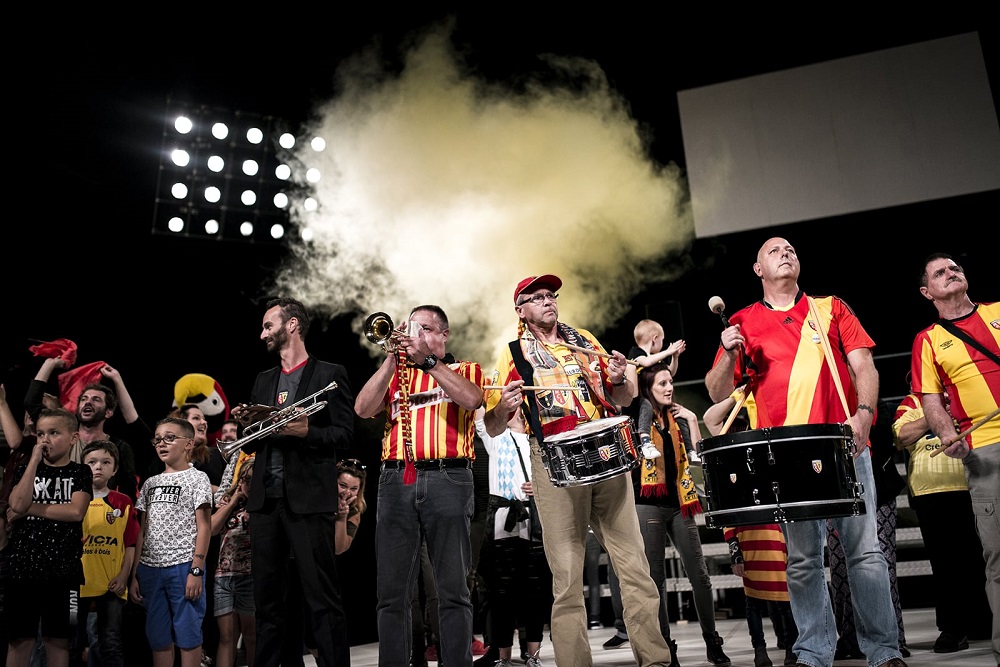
(649, 451)
(206, 661)
(616, 641)
(948, 642)
(532, 661)
(503, 662)
(713, 646)
(487, 659)
(594, 624)
(761, 658)
(478, 648)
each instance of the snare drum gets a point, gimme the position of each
(780, 474)
(592, 452)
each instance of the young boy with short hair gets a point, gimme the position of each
(110, 529)
(648, 350)
(47, 505)
(175, 509)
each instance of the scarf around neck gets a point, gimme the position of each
(653, 476)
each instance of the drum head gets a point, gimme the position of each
(587, 429)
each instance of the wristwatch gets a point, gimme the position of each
(196, 571)
(430, 361)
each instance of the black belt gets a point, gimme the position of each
(429, 464)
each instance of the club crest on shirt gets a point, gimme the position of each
(112, 515)
(282, 397)
(732, 478)
(817, 466)
(995, 324)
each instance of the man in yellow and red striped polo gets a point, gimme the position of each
(425, 487)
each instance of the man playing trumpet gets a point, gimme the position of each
(425, 485)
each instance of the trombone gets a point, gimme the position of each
(260, 420)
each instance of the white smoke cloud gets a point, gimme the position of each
(438, 187)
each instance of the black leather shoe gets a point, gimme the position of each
(713, 646)
(948, 642)
(616, 641)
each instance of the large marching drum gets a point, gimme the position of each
(780, 474)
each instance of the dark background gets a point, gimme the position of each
(90, 91)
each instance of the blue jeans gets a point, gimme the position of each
(867, 572)
(438, 505)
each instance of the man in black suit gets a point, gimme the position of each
(293, 497)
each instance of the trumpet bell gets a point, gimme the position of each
(378, 329)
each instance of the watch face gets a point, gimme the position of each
(196, 571)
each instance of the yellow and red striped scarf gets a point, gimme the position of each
(653, 479)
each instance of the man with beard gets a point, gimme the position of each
(94, 407)
(293, 500)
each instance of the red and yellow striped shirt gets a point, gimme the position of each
(942, 362)
(441, 428)
(765, 558)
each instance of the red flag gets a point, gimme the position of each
(72, 382)
(59, 348)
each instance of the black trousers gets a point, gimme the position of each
(276, 535)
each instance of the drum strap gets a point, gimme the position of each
(955, 331)
(529, 406)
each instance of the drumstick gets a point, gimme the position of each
(531, 387)
(828, 353)
(595, 353)
(736, 408)
(968, 431)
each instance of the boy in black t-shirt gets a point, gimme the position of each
(47, 505)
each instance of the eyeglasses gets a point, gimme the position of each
(351, 463)
(540, 298)
(169, 438)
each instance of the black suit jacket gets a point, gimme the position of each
(311, 462)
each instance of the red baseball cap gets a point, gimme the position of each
(532, 283)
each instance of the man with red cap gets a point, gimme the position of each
(549, 353)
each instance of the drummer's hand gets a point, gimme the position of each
(861, 427)
(957, 449)
(731, 338)
(616, 367)
(511, 397)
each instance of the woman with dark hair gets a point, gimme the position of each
(351, 475)
(666, 501)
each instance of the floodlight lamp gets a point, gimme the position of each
(183, 124)
(213, 194)
(283, 171)
(281, 200)
(179, 190)
(254, 135)
(180, 157)
(212, 226)
(216, 163)
(246, 228)
(277, 231)
(318, 144)
(220, 131)
(310, 204)
(249, 197)
(175, 224)
(312, 175)
(250, 167)
(286, 140)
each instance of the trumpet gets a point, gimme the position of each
(379, 329)
(261, 420)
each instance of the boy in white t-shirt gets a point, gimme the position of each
(175, 526)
